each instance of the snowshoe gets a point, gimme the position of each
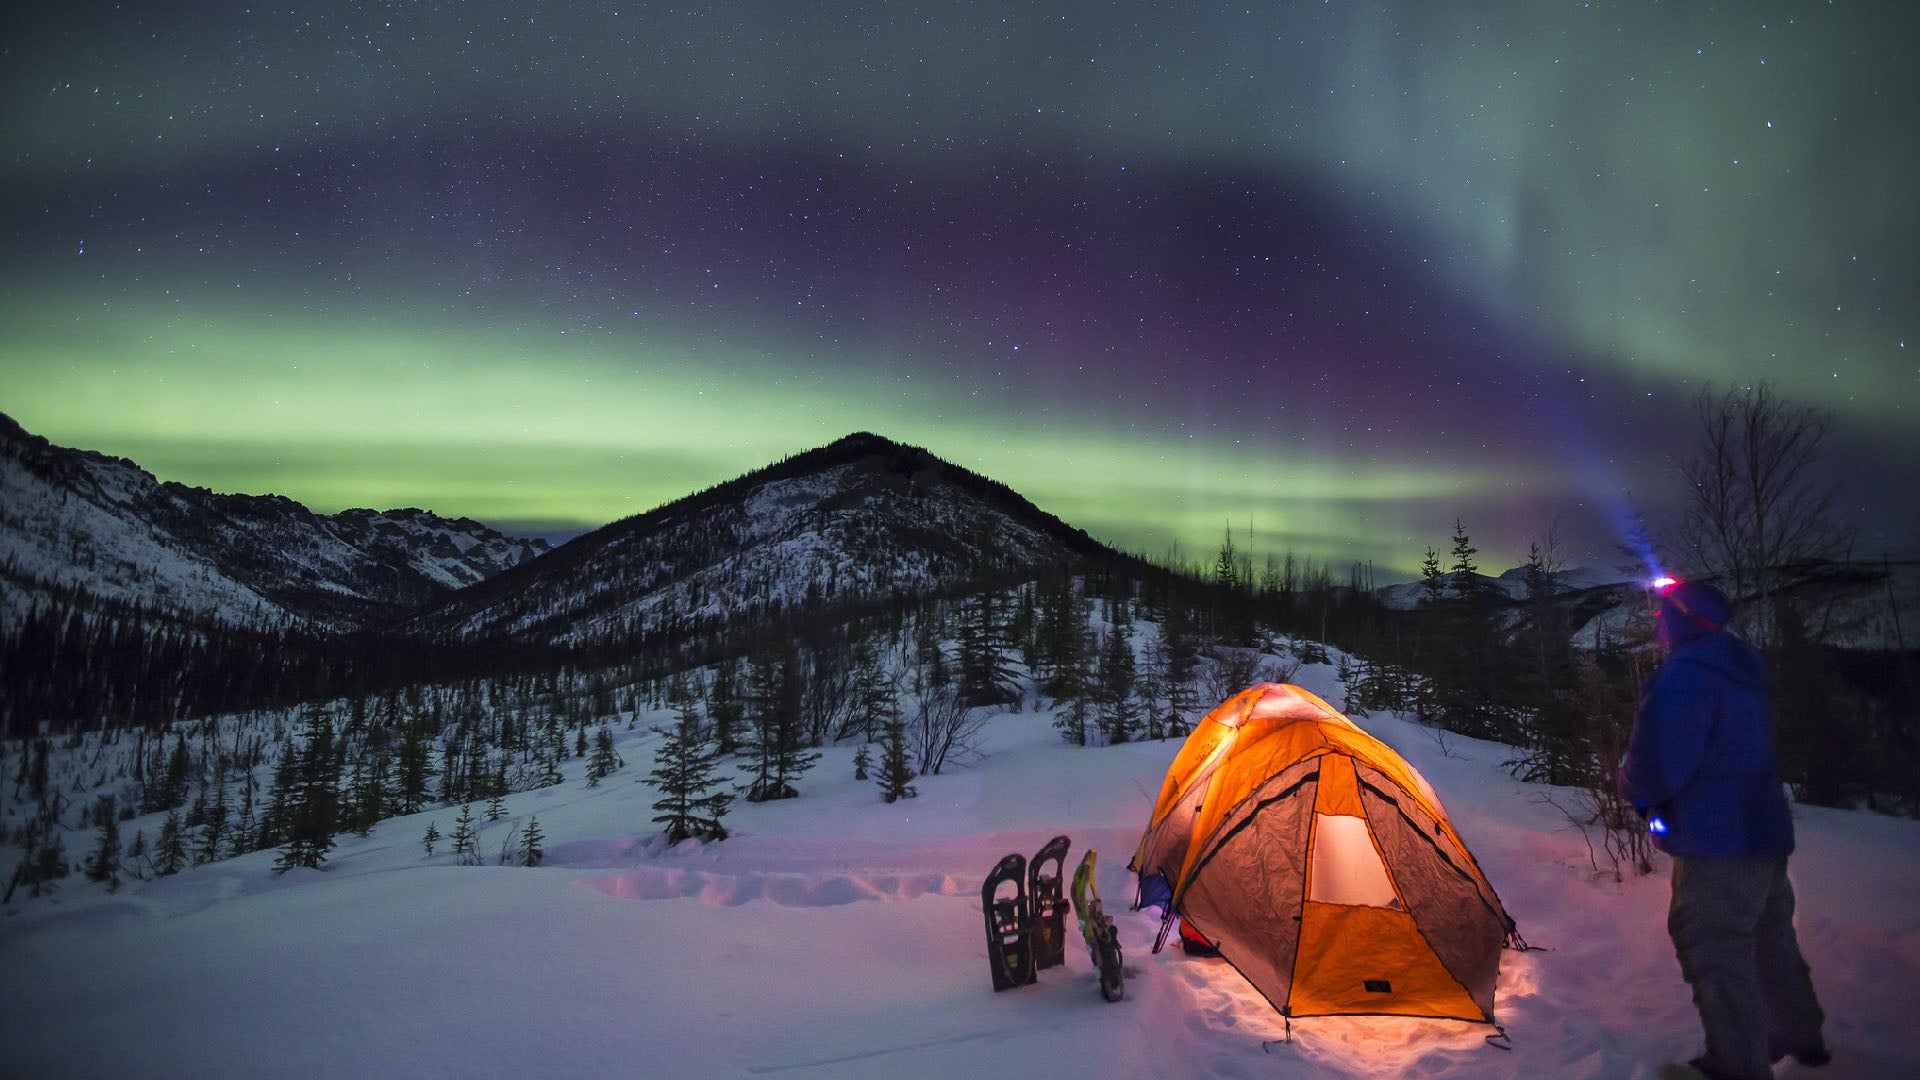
(1009, 924)
(1048, 904)
(1103, 941)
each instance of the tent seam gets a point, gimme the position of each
(1498, 907)
(1213, 844)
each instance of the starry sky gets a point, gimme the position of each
(1332, 275)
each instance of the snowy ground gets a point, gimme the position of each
(837, 936)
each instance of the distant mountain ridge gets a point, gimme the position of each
(80, 521)
(860, 523)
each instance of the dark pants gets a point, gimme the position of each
(1732, 926)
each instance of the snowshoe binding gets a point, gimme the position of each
(1103, 941)
(1048, 904)
(1003, 897)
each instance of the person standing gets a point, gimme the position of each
(1701, 767)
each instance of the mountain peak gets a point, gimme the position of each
(855, 446)
(862, 442)
(860, 521)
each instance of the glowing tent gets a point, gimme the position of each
(1322, 865)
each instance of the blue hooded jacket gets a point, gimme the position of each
(1701, 757)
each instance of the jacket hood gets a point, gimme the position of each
(1692, 609)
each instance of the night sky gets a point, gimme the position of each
(1333, 274)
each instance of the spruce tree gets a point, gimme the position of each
(369, 788)
(275, 818)
(1150, 682)
(605, 760)
(1023, 627)
(170, 852)
(1466, 582)
(213, 836)
(466, 838)
(37, 776)
(986, 677)
(1233, 615)
(104, 863)
(135, 851)
(686, 709)
(1183, 665)
(1071, 719)
(1432, 638)
(683, 699)
(353, 816)
(873, 692)
(44, 862)
(1049, 621)
(1114, 696)
(929, 630)
(896, 773)
(1431, 583)
(245, 833)
(1548, 679)
(432, 837)
(313, 808)
(170, 791)
(456, 780)
(530, 850)
(1466, 654)
(683, 772)
(197, 813)
(1072, 652)
(553, 750)
(779, 754)
(414, 769)
(724, 709)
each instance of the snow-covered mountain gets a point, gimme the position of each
(1406, 595)
(1849, 605)
(79, 520)
(861, 521)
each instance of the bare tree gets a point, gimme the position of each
(1755, 502)
(1607, 687)
(941, 724)
(1233, 671)
(827, 698)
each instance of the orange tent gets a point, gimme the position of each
(1323, 865)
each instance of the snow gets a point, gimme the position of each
(67, 538)
(837, 935)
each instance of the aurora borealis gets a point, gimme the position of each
(1336, 274)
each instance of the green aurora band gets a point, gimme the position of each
(547, 434)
